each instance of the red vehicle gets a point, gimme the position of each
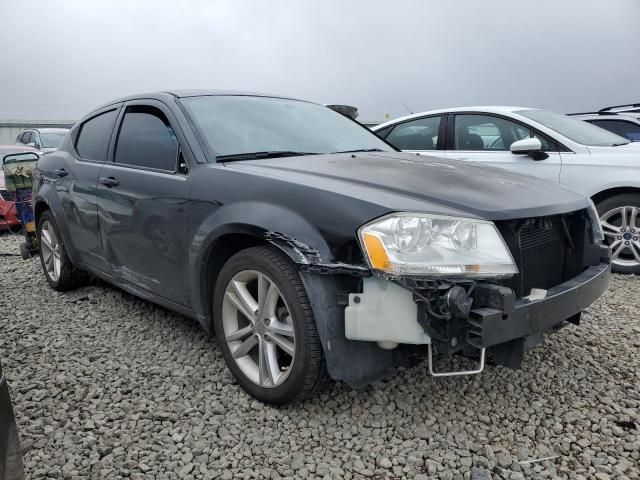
(8, 215)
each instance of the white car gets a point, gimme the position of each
(586, 158)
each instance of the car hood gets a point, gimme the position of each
(408, 182)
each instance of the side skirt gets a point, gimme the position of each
(145, 294)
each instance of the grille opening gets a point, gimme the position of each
(542, 255)
(543, 251)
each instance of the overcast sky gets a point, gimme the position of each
(60, 59)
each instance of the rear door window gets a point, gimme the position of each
(420, 134)
(146, 139)
(93, 138)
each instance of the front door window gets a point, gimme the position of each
(480, 132)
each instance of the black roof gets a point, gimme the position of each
(194, 93)
(168, 94)
(202, 93)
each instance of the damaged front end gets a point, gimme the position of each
(370, 321)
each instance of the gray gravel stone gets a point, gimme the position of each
(107, 386)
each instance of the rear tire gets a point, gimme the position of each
(620, 218)
(282, 327)
(60, 273)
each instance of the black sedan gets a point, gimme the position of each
(10, 454)
(308, 245)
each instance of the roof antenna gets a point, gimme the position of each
(405, 106)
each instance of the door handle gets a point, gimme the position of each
(61, 172)
(109, 182)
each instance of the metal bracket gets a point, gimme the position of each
(452, 374)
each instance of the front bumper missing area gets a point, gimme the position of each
(564, 302)
(387, 314)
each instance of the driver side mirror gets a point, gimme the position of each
(529, 146)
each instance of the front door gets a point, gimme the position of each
(142, 199)
(486, 139)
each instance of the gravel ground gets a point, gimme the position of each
(109, 386)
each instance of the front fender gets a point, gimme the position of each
(277, 224)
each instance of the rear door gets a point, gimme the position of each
(75, 176)
(487, 138)
(142, 202)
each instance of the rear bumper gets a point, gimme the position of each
(564, 302)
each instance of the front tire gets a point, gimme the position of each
(265, 327)
(60, 273)
(620, 218)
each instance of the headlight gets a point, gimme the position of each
(420, 244)
(596, 226)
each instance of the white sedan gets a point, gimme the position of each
(586, 158)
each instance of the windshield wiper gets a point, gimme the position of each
(361, 150)
(620, 144)
(256, 155)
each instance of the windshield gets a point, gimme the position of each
(237, 125)
(576, 130)
(52, 139)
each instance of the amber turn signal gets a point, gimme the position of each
(377, 253)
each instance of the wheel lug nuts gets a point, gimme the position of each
(626, 243)
(267, 321)
(619, 237)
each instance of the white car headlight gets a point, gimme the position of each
(421, 244)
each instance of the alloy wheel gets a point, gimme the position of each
(621, 227)
(51, 250)
(258, 328)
